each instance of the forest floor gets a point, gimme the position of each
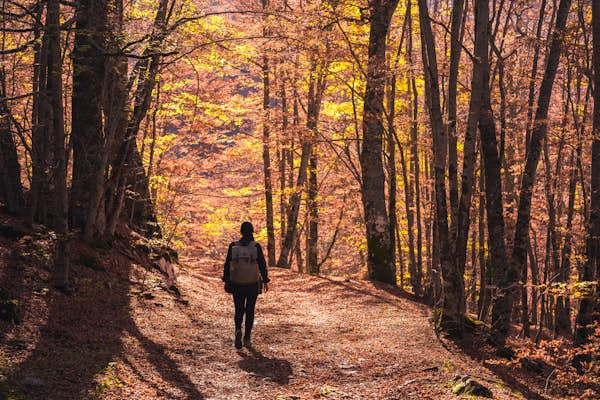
(122, 335)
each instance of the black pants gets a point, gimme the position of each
(244, 298)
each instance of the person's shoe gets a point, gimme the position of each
(247, 341)
(238, 338)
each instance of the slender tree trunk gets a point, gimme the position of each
(379, 238)
(312, 266)
(504, 298)
(11, 190)
(535, 281)
(392, 183)
(285, 154)
(455, 52)
(410, 216)
(266, 156)
(564, 307)
(413, 110)
(470, 153)
(491, 168)
(56, 126)
(40, 141)
(453, 293)
(484, 290)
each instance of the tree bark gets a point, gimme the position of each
(453, 293)
(379, 238)
(86, 100)
(265, 149)
(469, 153)
(455, 52)
(11, 190)
(413, 110)
(55, 121)
(391, 167)
(491, 163)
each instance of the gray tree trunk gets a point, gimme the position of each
(380, 263)
(453, 297)
(11, 190)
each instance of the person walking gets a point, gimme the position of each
(245, 277)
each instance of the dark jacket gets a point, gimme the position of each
(262, 265)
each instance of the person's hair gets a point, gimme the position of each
(247, 230)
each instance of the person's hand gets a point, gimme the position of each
(265, 287)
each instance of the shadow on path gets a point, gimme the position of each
(82, 336)
(275, 369)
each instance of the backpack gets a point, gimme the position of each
(244, 267)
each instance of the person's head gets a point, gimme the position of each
(247, 230)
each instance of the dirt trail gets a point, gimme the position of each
(314, 338)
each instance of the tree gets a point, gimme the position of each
(379, 244)
(11, 190)
(87, 101)
(452, 310)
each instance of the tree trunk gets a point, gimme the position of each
(11, 190)
(413, 110)
(564, 303)
(87, 97)
(379, 238)
(484, 290)
(115, 124)
(56, 126)
(265, 149)
(391, 167)
(469, 154)
(455, 52)
(453, 301)
(41, 155)
(312, 262)
(491, 168)
(285, 154)
(504, 299)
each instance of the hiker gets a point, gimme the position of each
(245, 277)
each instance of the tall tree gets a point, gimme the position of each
(453, 301)
(265, 151)
(489, 151)
(11, 190)
(86, 100)
(413, 110)
(56, 126)
(455, 53)
(379, 238)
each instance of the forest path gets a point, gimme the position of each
(314, 337)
